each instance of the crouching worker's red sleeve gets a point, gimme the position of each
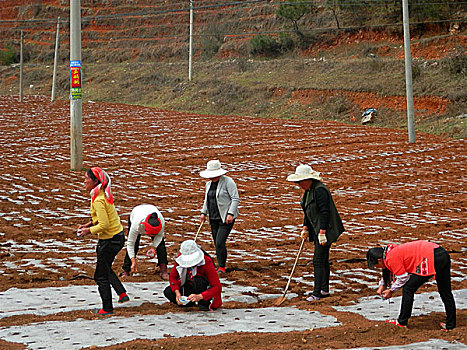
(215, 288)
(174, 279)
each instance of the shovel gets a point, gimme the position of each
(199, 229)
(283, 298)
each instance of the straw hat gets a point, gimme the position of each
(190, 254)
(304, 172)
(213, 169)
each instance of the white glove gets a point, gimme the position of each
(322, 239)
(304, 234)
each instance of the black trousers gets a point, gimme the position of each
(197, 286)
(107, 250)
(220, 232)
(322, 269)
(443, 281)
(161, 252)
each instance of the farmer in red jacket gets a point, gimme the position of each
(194, 279)
(411, 265)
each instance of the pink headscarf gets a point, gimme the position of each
(105, 184)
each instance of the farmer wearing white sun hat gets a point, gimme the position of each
(322, 224)
(221, 204)
(194, 279)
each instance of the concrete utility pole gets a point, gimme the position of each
(190, 54)
(76, 124)
(55, 60)
(408, 72)
(21, 67)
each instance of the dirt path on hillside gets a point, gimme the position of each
(386, 190)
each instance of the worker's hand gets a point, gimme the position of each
(151, 253)
(85, 225)
(387, 294)
(134, 267)
(195, 297)
(304, 233)
(177, 297)
(322, 237)
(380, 290)
(83, 231)
(202, 218)
(229, 219)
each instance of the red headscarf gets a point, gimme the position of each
(102, 176)
(152, 230)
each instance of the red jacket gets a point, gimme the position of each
(415, 257)
(209, 272)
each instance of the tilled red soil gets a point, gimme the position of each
(386, 190)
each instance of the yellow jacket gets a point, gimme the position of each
(105, 219)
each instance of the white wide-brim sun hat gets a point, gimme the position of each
(304, 172)
(190, 254)
(213, 169)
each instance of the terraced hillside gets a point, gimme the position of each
(116, 30)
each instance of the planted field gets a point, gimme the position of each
(386, 190)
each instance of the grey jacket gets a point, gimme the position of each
(226, 195)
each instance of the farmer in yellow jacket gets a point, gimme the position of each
(105, 223)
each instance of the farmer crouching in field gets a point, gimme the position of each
(145, 219)
(194, 279)
(321, 224)
(412, 264)
(105, 222)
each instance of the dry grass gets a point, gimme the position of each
(245, 86)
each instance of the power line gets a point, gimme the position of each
(247, 34)
(139, 14)
(218, 5)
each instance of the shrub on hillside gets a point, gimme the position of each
(8, 56)
(269, 46)
(264, 45)
(286, 42)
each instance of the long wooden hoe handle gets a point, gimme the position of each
(199, 229)
(294, 265)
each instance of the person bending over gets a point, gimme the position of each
(145, 219)
(408, 266)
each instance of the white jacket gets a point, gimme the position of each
(137, 216)
(226, 196)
